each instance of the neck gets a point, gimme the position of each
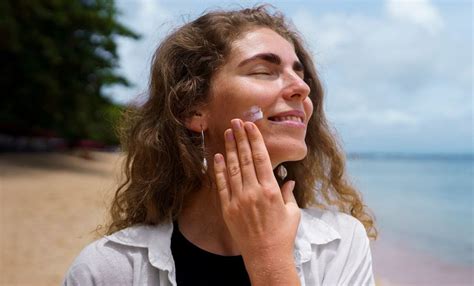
(201, 222)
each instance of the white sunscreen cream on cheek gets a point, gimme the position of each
(253, 114)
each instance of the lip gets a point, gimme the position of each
(294, 112)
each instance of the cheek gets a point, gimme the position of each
(240, 102)
(308, 107)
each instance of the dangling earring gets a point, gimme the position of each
(204, 160)
(282, 172)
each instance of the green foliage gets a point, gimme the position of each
(57, 55)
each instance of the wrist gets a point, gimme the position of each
(269, 254)
(272, 269)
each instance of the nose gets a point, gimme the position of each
(295, 88)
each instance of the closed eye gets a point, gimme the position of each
(261, 73)
(262, 70)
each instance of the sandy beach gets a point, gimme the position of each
(50, 207)
(52, 203)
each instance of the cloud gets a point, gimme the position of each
(420, 12)
(411, 77)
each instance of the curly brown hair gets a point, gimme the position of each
(163, 158)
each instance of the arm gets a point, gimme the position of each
(261, 218)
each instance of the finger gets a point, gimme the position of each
(245, 153)
(261, 159)
(221, 180)
(287, 192)
(232, 163)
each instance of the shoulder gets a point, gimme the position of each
(349, 260)
(104, 252)
(101, 261)
(347, 226)
(132, 255)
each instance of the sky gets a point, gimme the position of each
(397, 73)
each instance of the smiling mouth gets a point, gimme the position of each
(286, 118)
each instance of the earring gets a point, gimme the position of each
(282, 172)
(204, 160)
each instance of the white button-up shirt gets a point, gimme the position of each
(331, 248)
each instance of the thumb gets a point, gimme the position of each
(287, 192)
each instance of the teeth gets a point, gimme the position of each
(288, 118)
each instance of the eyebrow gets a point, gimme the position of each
(271, 58)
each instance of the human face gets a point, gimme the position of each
(262, 70)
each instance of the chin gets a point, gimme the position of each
(300, 155)
(287, 153)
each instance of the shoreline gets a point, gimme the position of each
(51, 203)
(395, 262)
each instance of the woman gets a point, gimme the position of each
(236, 89)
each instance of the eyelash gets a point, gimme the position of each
(261, 73)
(269, 73)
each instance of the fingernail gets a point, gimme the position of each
(236, 124)
(248, 126)
(229, 136)
(218, 158)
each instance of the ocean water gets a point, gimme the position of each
(426, 202)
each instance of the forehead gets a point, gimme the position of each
(261, 40)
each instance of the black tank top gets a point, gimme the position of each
(195, 266)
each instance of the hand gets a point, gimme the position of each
(261, 218)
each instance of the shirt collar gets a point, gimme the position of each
(157, 238)
(312, 230)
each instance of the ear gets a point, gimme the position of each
(198, 120)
